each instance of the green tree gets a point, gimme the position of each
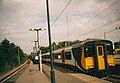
(9, 56)
(59, 45)
(5, 51)
(44, 49)
(54, 46)
(117, 45)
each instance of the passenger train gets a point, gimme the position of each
(117, 56)
(89, 55)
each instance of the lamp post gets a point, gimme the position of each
(39, 51)
(52, 72)
(35, 45)
(117, 28)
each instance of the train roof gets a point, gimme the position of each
(89, 40)
(67, 49)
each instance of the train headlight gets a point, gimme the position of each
(90, 66)
(36, 58)
(110, 64)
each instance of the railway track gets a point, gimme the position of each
(14, 74)
(113, 78)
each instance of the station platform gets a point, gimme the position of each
(62, 77)
(32, 75)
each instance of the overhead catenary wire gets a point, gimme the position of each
(90, 20)
(80, 22)
(61, 13)
(111, 31)
(98, 27)
(58, 17)
(80, 15)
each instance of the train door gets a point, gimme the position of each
(100, 57)
(63, 56)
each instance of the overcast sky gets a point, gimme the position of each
(80, 20)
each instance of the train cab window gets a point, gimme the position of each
(109, 48)
(89, 50)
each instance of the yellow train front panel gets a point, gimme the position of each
(111, 60)
(89, 62)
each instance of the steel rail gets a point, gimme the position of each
(3, 80)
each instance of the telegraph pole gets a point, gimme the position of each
(117, 28)
(38, 49)
(67, 29)
(52, 72)
(35, 47)
(39, 52)
(104, 35)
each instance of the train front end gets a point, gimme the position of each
(95, 55)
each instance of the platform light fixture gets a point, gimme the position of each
(39, 51)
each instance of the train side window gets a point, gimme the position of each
(68, 56)
(57, 56)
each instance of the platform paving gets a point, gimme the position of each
(62, 77)
(32, 75)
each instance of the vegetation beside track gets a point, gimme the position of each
(11, 56)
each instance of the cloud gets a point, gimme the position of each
(18, 16)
